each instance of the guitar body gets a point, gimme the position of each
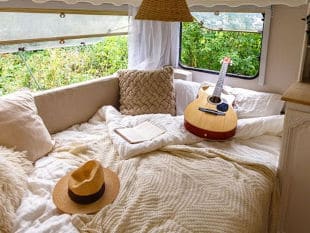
(210, 125)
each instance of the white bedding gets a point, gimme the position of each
(175, 132)
(80, 143)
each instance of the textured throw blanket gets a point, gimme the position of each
(186, 189)
(206, 187)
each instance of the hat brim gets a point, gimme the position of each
(66, 205)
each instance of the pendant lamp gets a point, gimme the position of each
(164, 10)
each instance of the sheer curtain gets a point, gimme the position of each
(152, 44)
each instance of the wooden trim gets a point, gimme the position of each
(66, 11)
(298, 93)
(60, 38)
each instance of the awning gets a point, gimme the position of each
(32, 31)
(206, 3)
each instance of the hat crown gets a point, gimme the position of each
(87, 180)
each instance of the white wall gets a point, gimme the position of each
(284, 52)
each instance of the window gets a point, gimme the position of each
(214, 35)
(45, 50)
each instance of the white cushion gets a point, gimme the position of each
(247, 103)
(250, 103)
(21, 127)
(185, 93)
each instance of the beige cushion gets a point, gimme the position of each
(14, 168)
(145, 92)
(21, 127)
(58, 107)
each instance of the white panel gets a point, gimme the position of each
(294, 170)
(23, 26)
(264, 52)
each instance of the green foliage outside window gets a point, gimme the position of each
(203, 48)
(62, 66)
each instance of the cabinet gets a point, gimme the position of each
(294, 164)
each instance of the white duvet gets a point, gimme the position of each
(257, 143)
(175, 132)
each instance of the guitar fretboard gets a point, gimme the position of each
(220, 82)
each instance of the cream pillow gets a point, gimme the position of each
(185, 92)
(14, 168)
(21, 127)
(247, 103)
(146, 92)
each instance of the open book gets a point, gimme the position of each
(142, 132)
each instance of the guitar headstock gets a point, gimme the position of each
(226, 60)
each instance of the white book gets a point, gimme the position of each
(142, 132)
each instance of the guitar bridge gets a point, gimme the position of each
(211, 111)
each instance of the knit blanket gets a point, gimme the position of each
(205, 187)
(187, 189)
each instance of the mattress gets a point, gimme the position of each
(200, 186)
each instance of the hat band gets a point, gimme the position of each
(86, 199)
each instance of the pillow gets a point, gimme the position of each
(247, 103)
(185, 93)
(250, 103)
(146, 92)
(14, 168)
(21, 127)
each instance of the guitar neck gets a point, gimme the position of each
(220, 82)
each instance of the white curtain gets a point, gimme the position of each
(152, 44)
(189, 2)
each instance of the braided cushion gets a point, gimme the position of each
(145, 92)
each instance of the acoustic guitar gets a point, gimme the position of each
(210, 116)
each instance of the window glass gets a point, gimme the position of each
(49, 68)
(214, 35)
(231, 21)
(16, 27)
(43, 51)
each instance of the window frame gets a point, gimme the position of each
(267, 11)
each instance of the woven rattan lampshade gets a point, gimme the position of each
(164, 10)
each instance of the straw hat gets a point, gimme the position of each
(87, 189)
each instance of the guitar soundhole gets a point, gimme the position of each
(215, 99)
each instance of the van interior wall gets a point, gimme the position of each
(285, 46)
